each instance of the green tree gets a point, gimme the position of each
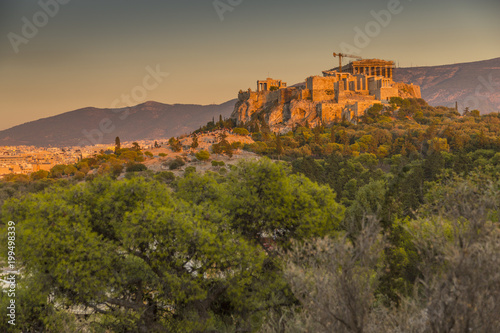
(264, 199)
(57, 171)
(41, 174)
(139, 257)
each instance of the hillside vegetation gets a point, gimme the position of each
(387, 225)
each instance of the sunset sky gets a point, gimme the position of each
(91, 52)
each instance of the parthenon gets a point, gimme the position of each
(368, 67)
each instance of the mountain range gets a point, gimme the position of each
(475, 85)
(150, 120)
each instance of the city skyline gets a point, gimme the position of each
(61, 56)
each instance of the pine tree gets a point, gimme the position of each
(195, 143)
(117, 144)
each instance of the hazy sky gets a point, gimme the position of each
(92, 52)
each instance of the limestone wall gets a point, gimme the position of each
(386, 93)
(360, 107)
(329, 112)
(305, 94)
(323, 95)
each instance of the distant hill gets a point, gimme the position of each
(149, 120)
(474, 84)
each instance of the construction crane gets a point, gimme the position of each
(343, 55)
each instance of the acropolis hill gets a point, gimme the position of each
(341, 93)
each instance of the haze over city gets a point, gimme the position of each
(92, 53)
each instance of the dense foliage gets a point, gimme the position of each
(140, 255)
(388, 225)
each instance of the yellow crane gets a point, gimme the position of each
(343, 55)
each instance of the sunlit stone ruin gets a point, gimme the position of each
(340, 93)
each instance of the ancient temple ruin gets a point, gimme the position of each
(340, 93)
(270, 85)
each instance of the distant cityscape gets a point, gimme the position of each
(29, 159)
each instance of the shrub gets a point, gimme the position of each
(218, 163)
(165, 176)
(116, 169)
(136, 167)
(241, 131)
(175, 144)
(176, 164)
(162, 155)
(202, 155)
(189, 170)
(79, 175)
(236, 145)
